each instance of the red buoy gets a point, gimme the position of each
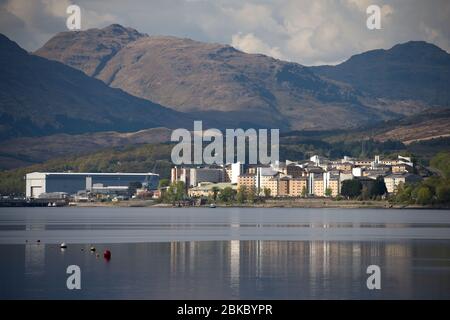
(107, 255)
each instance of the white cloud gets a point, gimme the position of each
(386, 11)
(308, 32)
(434, 36)
(249, 43)
(251, 16)
(56, 8)
(31, 23)
(361, 5)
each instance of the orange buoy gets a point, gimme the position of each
(107, 255)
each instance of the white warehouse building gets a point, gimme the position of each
(38, 183)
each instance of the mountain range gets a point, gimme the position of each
(40, 97)
(119, 79)
(415, 70)
(215, 81)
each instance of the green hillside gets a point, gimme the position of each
(156, 157)
(147, 158)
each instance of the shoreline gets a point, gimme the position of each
(298, 203)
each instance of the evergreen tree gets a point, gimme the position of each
(378, 188)
(351, 188)
(304, 192)
(215, 191)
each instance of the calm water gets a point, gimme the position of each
(225, 253)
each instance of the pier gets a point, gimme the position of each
(33, 202)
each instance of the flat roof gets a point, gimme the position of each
(400, 175)
(96, 173)
(207, 186)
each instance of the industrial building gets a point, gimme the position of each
(199, 175)
(193, 176)
(38, 183)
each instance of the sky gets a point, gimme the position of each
(303, 31)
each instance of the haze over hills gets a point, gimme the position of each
(217, 81)
(41, 97)
(415, 70)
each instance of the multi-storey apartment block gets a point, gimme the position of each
(315, 177)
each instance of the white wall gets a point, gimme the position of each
(236, 171)
(36, 182)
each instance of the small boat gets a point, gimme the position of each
(212, 205)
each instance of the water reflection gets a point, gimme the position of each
(34, 259)
(34, 252)
(231, 269)
(133, 225)
(293, 254)
(316, 269)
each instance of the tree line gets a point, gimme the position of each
(434, 190)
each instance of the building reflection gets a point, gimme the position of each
(314, 267)
(235, 260)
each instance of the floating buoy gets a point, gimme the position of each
(82, 249)
(107, 255)
(63, 245)
(38, 241)
(92, 249)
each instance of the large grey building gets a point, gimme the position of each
(38, 183)
(198, 175)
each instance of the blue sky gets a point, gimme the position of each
(304, 31)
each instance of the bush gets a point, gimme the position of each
(443, 193)
(424, 196)
(442, 162)
(241, 194)
(226, 194)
